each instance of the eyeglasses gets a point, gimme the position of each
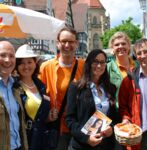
(69, 42)
(96, 62)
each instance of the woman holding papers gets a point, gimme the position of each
(93, 92)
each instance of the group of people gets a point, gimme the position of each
(33, 97)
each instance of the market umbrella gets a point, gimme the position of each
(18, 22)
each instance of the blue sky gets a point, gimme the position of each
(122, 9)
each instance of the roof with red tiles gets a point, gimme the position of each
(90, 3)
(80, 7)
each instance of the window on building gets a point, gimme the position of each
(95, 41)
(80, 37)
(94, 20)
(84, 37)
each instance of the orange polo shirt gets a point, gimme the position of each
(123, 70)
(56, 79)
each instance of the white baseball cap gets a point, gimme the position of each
(25, 51)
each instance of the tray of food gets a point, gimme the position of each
(128, 134)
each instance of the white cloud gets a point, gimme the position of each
(122, 9)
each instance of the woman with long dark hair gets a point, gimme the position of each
(93, 92)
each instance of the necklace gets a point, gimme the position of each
(30, 87)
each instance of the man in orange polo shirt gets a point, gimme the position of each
(56, 74)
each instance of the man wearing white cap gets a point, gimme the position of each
(12, 129)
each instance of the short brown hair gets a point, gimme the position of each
(69, 29)
(139, 43)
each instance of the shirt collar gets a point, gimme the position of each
(57, 62)
(92, 85)
(10, 80)
(132, 64)
(141, 73)
(61, 64)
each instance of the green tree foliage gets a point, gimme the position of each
(133, 31)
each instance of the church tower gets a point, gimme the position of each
(96, 22)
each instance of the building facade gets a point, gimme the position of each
(95, 23)
(86, 16)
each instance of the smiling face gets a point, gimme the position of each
(141, 54)
(27, 67)
(7, 59)
(67, 43)
(98, 66)
(120, 47)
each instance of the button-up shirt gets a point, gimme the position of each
(101, 102)
(143, 87)
(13, 109)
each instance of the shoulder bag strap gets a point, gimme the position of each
(65, 97)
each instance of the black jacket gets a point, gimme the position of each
(43, 111)
(35, 135)
(80, 107)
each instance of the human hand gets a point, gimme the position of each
(107, 132)
(94, 139)
(125, 121)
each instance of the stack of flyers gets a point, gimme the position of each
(96, 123)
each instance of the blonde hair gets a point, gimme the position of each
(119, 35)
